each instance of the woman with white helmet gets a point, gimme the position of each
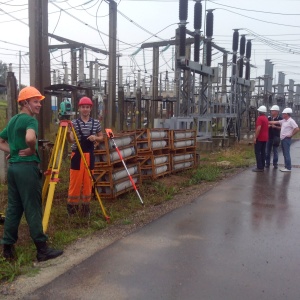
(288, 129)
(261, 138)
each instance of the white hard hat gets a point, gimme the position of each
(287, 111)
(262, 109)
(275, 107)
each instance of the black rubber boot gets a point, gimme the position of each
(72, 209)
(9, 252)
(85, 211)
(44, 252)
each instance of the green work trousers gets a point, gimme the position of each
(24, 195)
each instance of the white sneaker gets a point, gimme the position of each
(285, 170)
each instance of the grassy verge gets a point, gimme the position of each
(63, 230)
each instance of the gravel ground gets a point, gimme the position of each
(85, 247)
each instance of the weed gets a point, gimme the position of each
(9, 270)
(65, 237)
(98, 225)
(205, 173)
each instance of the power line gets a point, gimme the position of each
(274, 44)
(5, 3)
(259, 11)
(13, 17)
(13, 44)
(139, 26)
(279, 24)
(15, 11)
(88, 24)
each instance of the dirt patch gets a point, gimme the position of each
(85, 247)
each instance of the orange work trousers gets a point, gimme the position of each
(80, 188)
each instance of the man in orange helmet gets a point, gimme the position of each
(19, 139)
(88, 131)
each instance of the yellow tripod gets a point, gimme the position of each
(54, 165)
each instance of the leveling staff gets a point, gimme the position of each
(19, 139)
(88, 131)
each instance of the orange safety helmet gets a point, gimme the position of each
(30, 92)
(85, 101)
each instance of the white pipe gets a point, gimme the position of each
(182, 157)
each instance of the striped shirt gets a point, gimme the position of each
(86, 129)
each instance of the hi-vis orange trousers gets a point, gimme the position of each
(80, 188)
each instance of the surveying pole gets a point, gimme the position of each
(52, 173)
(111, 136)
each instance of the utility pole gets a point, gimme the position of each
(154, 102)
(39, 58)
(12, 95)
(112, 62)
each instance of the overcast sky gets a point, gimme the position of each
(273, 25)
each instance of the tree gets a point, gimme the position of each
(3, 70)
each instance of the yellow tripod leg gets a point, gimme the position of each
(90, 174)
(101, 204)
(47, 173)
(53, 171)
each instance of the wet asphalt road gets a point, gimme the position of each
(241, 240)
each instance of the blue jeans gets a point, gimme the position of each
(260, 154)
(269, 149)
(286, 145)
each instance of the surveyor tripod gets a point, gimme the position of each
(52, 173)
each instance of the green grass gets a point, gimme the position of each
(63, 230)
(238, 156)
(205, 173)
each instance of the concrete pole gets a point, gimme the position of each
(73, 67)
(81, 64)
(96, 76)
(39, 58)
(91, 69)
(12, 95)
(139, 108)
(154, 85)
(121, 98)
(224, 74)
(121, 118)
(112, 62)
(66, 75)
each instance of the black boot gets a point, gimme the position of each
(44, 252)
(72, 209)
(9, 252)
(85, 211)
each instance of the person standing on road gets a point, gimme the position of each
(274, 137)
(288, 129)
(19, 139)
(260, 139)
(88, 131)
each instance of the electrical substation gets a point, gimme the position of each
(207, 103)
